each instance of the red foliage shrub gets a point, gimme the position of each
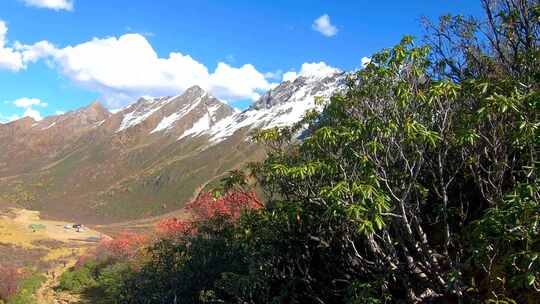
(126, 245)
(174, 226)
(206, 206)
(231, 204)
(10, 278)
(123, 246)
(83, 259)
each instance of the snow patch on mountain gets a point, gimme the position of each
(49, 126)
(281, 106)
(142, 110)
(212, 110)
(169, 121)
(99, 123)
(198, 127)
(283, 113)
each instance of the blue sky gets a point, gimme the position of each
(58, 55)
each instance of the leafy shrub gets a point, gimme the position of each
(173, 227)
(10, 278)
(230, 204)
(80, 278)
(188, 267)
(124, 246)
(28, 286)
(111, 281)
(505, 246)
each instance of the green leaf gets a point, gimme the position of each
(531, 279)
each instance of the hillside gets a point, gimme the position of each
(146, 159)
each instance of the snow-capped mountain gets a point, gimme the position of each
(145, 159)
(284, 105)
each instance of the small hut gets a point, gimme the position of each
(78, 227)
(36, 227)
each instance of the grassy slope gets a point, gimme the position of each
(98, 182)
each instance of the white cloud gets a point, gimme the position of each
(365, 61)
(59, 112)
(51, 4)
(33, 53)
(10, 59)
(127, 67)
(317, 69)
(274, 85)
(10, 118)
(29, 102)
(124, 68)
(255, 96)
(290, 76)
(17, 57)
(312, 70)
(324, 26)
(32, 114)
(276, 75)
(231, 83)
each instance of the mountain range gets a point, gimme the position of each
(147, 159)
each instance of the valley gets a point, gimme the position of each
(124, 171)
(148, 159)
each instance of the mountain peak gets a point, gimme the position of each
(96, 106)
(25, 120)
(195, 90)
(90, 114)
(300, 89)
(23, 123)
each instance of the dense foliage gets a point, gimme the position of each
(10, 278)
(144, 266)
(17, 286)
(420, 183)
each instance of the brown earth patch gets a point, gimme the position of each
(20, 257)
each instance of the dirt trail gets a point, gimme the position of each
(62, 246)
(47, 294)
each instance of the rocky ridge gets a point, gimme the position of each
(145, 159)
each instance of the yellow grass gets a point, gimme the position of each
(15, 230)
(15, 233)
(63, 254)
(62, 246)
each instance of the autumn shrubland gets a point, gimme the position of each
(32, 249)
(17, 286)
(103, 272)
